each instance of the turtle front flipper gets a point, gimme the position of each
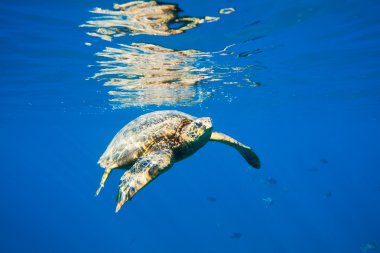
(146, 168)
(248, 154)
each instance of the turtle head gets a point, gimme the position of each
(197, 133)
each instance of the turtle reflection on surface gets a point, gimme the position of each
(146, 74)
(140, 17)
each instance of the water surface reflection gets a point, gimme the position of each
(146, 74)
(140, 17)
(141, 74)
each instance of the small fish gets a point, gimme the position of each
(211, 199)
(324, 161)
(327, 195)
(235, 235)
(268, 201)
(271, 180)
(369, 246)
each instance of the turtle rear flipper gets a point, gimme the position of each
(104, 179)
(146, 168)
(108, 169)
(248, 154)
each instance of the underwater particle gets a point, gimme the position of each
(327, 195)
(88, 44)
(324, 161)
(226, 10)
(369, 246)
(211, 199)
(271, 180)
(236, 235)
(150, 145)
(268, 201)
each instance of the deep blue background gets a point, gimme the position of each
(319, 99)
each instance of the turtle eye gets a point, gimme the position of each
(198, 124)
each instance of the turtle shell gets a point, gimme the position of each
(135, 138)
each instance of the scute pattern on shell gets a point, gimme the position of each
(136, 137)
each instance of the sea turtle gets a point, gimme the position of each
(149, 145)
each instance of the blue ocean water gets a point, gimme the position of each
(308, 104)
